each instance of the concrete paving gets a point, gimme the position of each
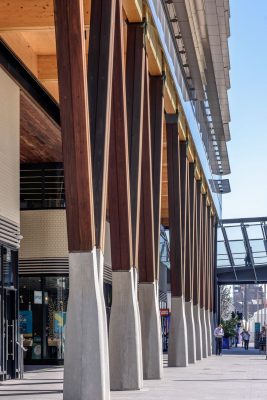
(234, 375)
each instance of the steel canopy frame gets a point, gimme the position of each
(244, 255)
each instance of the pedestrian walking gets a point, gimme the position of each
(246, 339)
(219, 334)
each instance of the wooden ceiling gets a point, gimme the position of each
(40, 138)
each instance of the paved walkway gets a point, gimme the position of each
(232, 376)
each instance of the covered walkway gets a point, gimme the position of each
(236, 376)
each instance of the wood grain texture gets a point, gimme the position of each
(174, 198)
(196, 243)
(184, 166)
(156, 87)
(146, 259)
(191, 223)
(40, 137)
(100, 66)
(75, 124)
(118, 185)
(135, 61)
(203, 251)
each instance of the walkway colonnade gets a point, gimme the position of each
(122, 144)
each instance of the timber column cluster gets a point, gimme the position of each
(112, 129)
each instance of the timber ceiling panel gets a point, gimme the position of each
(40, 138)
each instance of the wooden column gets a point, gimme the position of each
(119, 186)
(203, 251)
(75, 124)
(208, 249)
(156, 127)
(135, 63)
(184, 168)
(191, 223)
(146, 227)
(197, 221)
(100, 62)
(199, 296)
(174, 200)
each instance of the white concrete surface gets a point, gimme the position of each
(191, 335)
(198, 332)
(124, 334)
(178, 348)
(151, 331)
(204, 333)
(212, 327)
(100, 268)
(139, 337)
(209, 337)
(85, 362)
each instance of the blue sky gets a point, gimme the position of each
(248, 107)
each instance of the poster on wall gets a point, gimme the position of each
(38, 297)
(25, 322)
(59, 322)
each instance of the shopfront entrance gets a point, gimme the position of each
(9, 314)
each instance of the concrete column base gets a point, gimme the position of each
(85, 363)
(209, 338)
(198, 331)
(212, 327)
(135, 279)
(151, 331)
(178, 348)
(204, 333)
(100, 268)
(191, 336)
(124, 334)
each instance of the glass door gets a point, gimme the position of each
(9, 333)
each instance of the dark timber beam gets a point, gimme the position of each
(197, 290)
(184, 168)
(156, 127)
(75, 124)
(192, 225)
(146, 229)
(174, 199)
(119, 186)
(100, 61)
(208, 249)
(135, 62)
(203, 251)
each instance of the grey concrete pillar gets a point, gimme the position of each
(198, 331)
(204, 333)
(124, 334)
(100, 268)
(135, 278)
(178, 348)
(209, 337)
(191, 336)
(212, 327)
(85, 362)
(151, 331)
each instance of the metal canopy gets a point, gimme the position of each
(242, 251)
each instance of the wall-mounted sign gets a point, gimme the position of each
(38, 297)
(164, 312)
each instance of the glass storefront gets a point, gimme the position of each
(42, 317)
